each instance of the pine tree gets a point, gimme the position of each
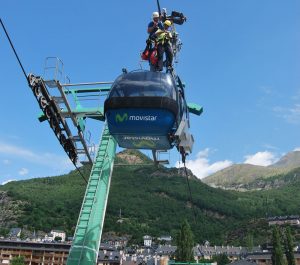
(277, 252)
(185, 243)
(289, 247)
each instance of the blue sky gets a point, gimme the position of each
(240, 60)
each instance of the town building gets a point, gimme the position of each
(116, 241)
(43, 253)
(165, 239)
(265, 258)
(58, 234)
(207, 252)
(283, 220)
(147, 241)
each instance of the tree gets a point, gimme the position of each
(277, 252)
(221, 259)
(249, 242)
(18, 261)
(4, 232)
(289, 247)
(185, 243)
(57, 239)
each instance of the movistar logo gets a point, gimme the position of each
(120, 118)
(124, 117)
(142, 118)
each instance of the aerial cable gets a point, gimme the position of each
(80, 173)
(190, 192)
(158, 7)
(12, 46)
(24, 72)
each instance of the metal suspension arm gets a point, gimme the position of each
(87, 237)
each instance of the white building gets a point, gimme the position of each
(147, 241)
(282, 220)
(58, 233)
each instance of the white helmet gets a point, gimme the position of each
(155, 14)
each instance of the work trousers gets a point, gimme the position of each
(161, 48)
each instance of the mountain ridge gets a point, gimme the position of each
(238, 176)
(153, 200)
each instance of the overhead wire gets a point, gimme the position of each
(190, 192)
(24, 72)
(80, 173)
(12, 46)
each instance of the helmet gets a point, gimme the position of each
(155, 14)
(168, 23)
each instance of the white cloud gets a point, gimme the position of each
(264, 158)
(290, 115)
(201, 166)
(269, 146)
(23, 171)
(46, 159)
(297, 149)
(6, 162)
(6, 181)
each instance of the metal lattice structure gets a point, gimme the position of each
(64, 106)
(88, 232)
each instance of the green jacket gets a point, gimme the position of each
(162, 36)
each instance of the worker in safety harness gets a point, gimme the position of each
(155, 24)
(163, 40)
(150, 52)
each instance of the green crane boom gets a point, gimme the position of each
(87, 237)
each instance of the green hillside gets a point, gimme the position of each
(272, 182)
(153, 201)
(246, 176)
(236, 175)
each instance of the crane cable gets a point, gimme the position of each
(189, 189)
(24, 72)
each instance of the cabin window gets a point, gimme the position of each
(144, 84)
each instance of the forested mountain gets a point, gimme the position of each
(246, 176)
(152, 201)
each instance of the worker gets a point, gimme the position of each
(150, 50)
(163, 40)
(155, 24)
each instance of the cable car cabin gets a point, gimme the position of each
(144, 109)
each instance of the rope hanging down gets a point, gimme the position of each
(24, 72)
(190, 192)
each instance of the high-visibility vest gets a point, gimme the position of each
(162, 36)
